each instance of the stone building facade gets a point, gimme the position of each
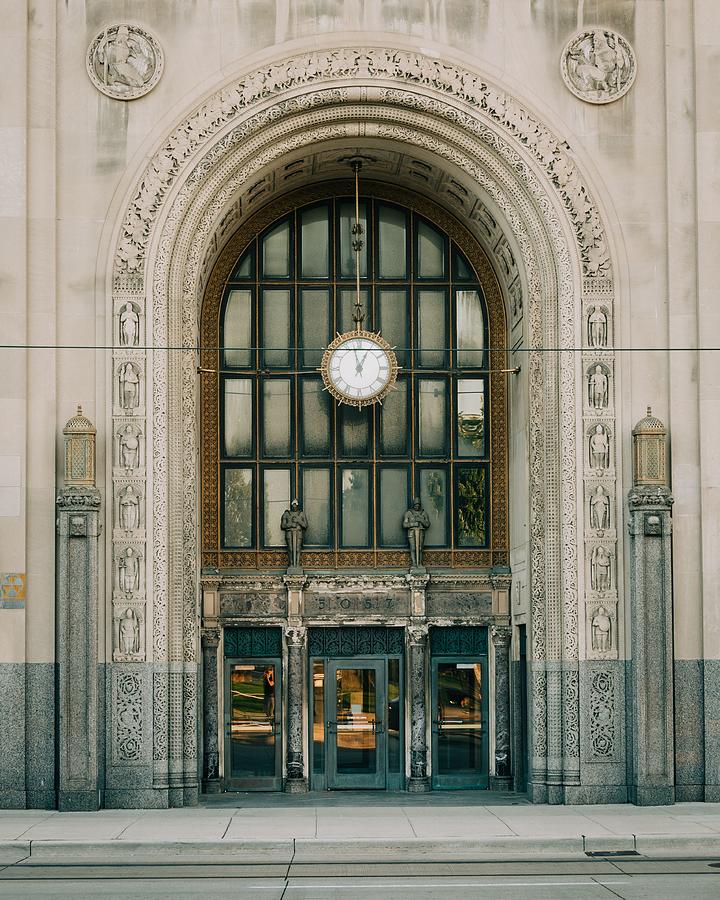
(538, 196)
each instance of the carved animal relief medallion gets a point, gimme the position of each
(598, 66)
(124, 62)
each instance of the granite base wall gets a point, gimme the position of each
(40, 736)
(689, 728)
(12, 736)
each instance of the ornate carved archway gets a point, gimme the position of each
(195, 191)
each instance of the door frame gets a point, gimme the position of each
(378, 780)
(394, 781)
(274, 783)
(460, 782)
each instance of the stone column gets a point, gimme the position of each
(500, 781)
(418, 641)
(651, 635)
(78, 527)
(211, 751)
(296, 780)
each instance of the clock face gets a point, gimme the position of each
(359, 368)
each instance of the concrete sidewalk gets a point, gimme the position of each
(281, 830)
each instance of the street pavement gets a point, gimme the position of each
(461, 844)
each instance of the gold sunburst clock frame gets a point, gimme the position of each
(341, 396)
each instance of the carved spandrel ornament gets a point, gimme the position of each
(598, 65)
(124, 61)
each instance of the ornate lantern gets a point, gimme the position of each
(650, 451)
(80, 450)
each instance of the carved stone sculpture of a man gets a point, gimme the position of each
(129, 633)
(599, 448)
(129, 326)
(597, 328)
(600, 564)
(129, 571)
(129, 387)
(129, 449)
(599, 508)
(416, 521)
(598, 389)
(601, 630)
(129, 509)
(293, 523)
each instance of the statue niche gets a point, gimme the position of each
(598, 388)
(599, 448)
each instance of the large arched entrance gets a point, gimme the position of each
(444, 132)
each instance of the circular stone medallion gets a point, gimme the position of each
(124, 61)
(598, 65)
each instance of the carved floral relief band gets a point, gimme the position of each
(598, 65)
(124, 61)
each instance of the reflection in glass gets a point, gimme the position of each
(276, 328)
(471, 504)
(315, 417)
(470, 417)
(346, 308)
(318, 690)
(462, 268)
(314, 242)
(244, 267)
(394, 713)
(393, 312)
(433, 496)
(356, 712)
(432, 421)
(238, 404)
(459, 718)
(276, 417)
(432, 329)
(354, 430)
(315, 318)
(316, 504)
(276, 501)
(253, 701)
(431, 251)
(276, 251)
(237, 506)
(470, 329)
(392, 261)
(347, 254)
(393, 503)
(393, 421)
(355, 507)
(237, 329)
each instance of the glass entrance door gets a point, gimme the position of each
(253, 720)
(459, 726)
(356, 728)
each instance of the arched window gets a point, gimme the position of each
(280, 435)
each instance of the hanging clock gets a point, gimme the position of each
(359, 368)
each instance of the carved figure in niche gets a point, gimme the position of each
(599, 508)
(597, 328)
(293, 523)
(599, 448)
(124, 61)
(129, 509)
(129, 632)
(129, 449)
(129, 571)
(600, 568)
(598, 389)
(601, 629)
(598, 66)
(129, 326)
(416, 522)
(129, 387)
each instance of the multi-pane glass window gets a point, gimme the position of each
(354, 471)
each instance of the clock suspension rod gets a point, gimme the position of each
(203, 370)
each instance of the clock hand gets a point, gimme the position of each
(358, 364)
